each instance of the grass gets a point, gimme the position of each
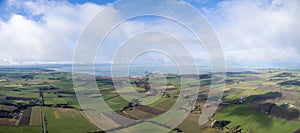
(49, 95)
(166, 105)
(190, 124)
(64, 85)
(35, 118)
(115, 101)
(236, 86)
(25, 93)
(138, 89)
(54, 101)
(234, 94)
(20, 129)
(290, 87)
(159, 101)
(67, 121)
(252, 121)
(17, 101)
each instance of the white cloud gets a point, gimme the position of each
(258, 31)
(50, 39)
(250, 31)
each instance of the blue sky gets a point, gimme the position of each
(251, 33)
(100, 2)
(5, 11)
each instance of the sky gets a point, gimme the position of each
(251, 32)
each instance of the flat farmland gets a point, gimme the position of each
(252, 121)
(54, 101)
(144, 112)
(139, 114)
(25, 118)
(190, 124)
(20, 129)
(6, 121)
(166, 105)
(36, 117)
(150, 110)
(115, 101)
(67, 121)
(25, 93)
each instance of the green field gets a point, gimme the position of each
(20, 129)
(252, 121)
(67, 121)
(36, 117)
(57, 88)
(25, 93)
(48, 101)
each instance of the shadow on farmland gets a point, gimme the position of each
(244, 115)
(241, 74)
(265, 104)
(270, 97)
(297, 131)
(247, 112)
(290, 82)
(283, 75)
(105, 80)
(285, 112)
(206, 82)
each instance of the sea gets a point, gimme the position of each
(141, 70)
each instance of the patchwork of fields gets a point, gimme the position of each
(37, 100)
(33, 101)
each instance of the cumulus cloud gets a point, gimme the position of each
(46, 31)
(258, 31)
(250, 31)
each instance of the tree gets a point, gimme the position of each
(221, 124)
(134, 102)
